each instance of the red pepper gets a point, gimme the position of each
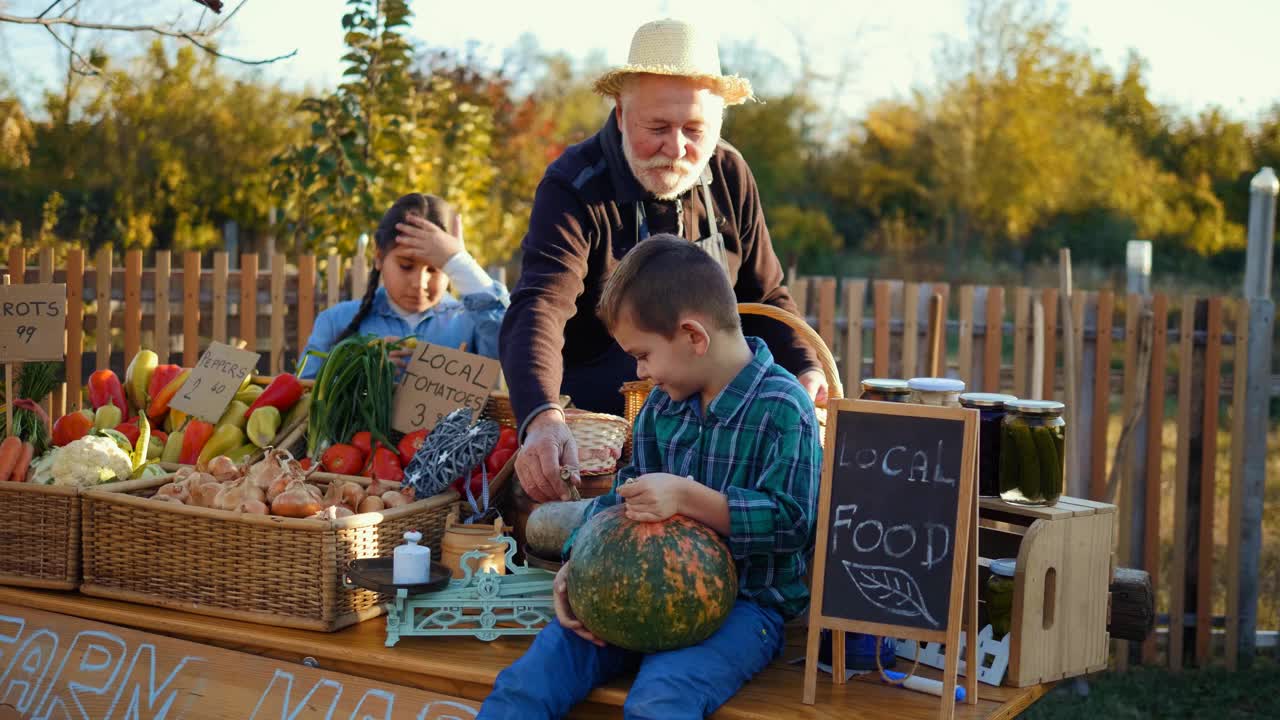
(130, 430)
(409, 445)
(105, 387)
(305, 463)
(283, 393)
(193, 441)
(72, 427)
(507, 439)
(160, 399)
(163, 375)
(386, 465)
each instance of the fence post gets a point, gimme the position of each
(1262, 313)
(1262, 232)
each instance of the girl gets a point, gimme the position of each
(416, 261)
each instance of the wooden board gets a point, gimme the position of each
(1131, 396)
(307, 300)
(132, 304)
(883, 314)
(797, 286)
(63, 666)
(1182, 479)
(855, 293)
(1239, 385)
(1155, 452)
(1021, 341)
(911, 330)
(1101, 397)
(221, 270)
(333, 279)
(249, 300)
(102, 318)
(993, 341)
(163, 267)
(190, 308)
(55, 405)
(278, 311)
(464, 667)
(965, 333)
(1049, 300)
(1208, 483)
(75, 328)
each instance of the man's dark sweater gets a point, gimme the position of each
(583, 222)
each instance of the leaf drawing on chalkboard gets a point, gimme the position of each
(890, 589)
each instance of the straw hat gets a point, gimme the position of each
(676, 48)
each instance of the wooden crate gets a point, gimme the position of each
(1061, 588)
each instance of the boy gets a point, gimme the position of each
(727, 438)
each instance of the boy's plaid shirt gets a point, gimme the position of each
(760, 446)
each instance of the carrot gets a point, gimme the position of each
(24, 463)
(10, 449)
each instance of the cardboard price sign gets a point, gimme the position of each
(214, 381)
(438, 381)
(33, 322)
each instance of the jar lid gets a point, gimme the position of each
(886, 385)
(986, 400)
(1036, 407)
(1004, 567)
(933, 384)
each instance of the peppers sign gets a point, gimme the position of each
(439, 380)
(33, 322)
(214, 381)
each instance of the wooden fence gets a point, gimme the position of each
(1138, 357)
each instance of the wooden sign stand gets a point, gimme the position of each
(963, 599)
(8, 388)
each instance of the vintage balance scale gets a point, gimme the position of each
(485, 604)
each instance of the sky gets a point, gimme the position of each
(1200, 53)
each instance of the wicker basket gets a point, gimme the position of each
(263, 569)
(636, 392)
(498, 408)
(40, 543)
(598, 431)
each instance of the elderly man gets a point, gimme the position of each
(657, 166)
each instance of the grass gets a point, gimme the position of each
(1158, 693)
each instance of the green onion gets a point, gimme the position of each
(352, 392)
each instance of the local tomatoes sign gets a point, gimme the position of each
(57, 666)
(439, 380)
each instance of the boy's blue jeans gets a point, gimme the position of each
(560, 669)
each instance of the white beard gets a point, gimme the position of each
(674, 180)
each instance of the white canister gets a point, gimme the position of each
(411, 562)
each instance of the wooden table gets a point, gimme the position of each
(455, 673)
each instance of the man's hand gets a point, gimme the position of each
(564, 613)
(815, 383)
(548, 446)
(428, 242)
(655, 497)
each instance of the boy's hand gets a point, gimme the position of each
(654, 497)
(564, 613)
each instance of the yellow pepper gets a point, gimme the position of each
(225, 438)
(172, 447)
(248, 394)
(241, 452)
(107, 417)
(137, 378)
(264, 425)
(234, 415)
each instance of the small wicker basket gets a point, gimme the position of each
(598, 436)
(257, 568)
(498, 409)
(40, 543)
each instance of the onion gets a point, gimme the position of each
(297, 500)
(380, 486)
(393, 499)
(183, 473)
(253, 507)
(333, 512)
(373, 503)
(173, 491)
(224, 469)
(232, 496)
(345, 493)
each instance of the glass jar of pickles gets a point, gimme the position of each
(885, 390)
(939, 392)
(991, 412)
(1032, 440)
(998, 596)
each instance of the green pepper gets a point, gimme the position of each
(224, 439)
(248, 394)
(1028, 462)
(107, 416)
(242, 452)
(173, 447)
(300, 410)
(234, 415)
(264, 425)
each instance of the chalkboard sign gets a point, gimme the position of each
(896, 537)
(895, 489)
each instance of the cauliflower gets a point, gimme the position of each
(91, 460)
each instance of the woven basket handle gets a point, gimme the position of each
(835, 390)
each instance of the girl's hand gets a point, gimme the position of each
(401, 356)
(428, 242)
(654, 497)
(564, 613)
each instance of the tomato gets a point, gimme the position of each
(498, 460)
(386, 465)
(409, 445)
(364, 441)
(507, 439)
(342, 459)
(476, 482)
(305, 463)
